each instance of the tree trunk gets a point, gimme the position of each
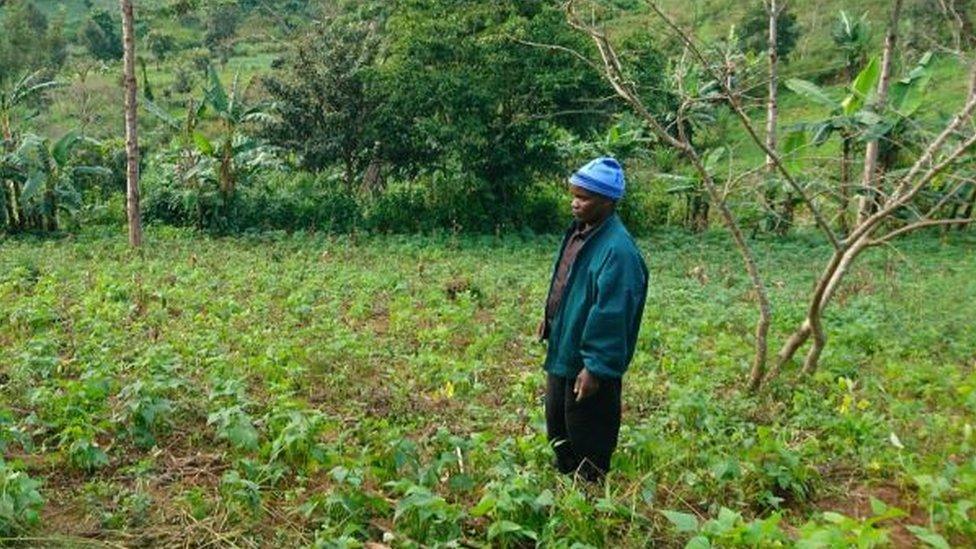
(350, 175)
(373, 178)
(227, 180)
(782, 221)
(789, 212)
(773, 8)
(845, 182)
(8, 211)
(51, 203)
(19, 206)
(966, 24)
(698, 214)
(131, 127)
(824, 290)
(10, 188)
(868, 200)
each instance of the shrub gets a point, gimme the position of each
(19, 501)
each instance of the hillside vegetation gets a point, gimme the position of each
(326, 337)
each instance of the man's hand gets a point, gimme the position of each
(586, 385)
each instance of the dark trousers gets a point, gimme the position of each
(582, 434)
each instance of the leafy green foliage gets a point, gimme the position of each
(372, 90)
(29, 41)
(754, 30)
(102, 36)
(853, 38)
(47, 173)
(160, 44)
(329, 111)
(286, 386)
(222, 19)
(20, 501)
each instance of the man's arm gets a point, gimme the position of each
(605, 342)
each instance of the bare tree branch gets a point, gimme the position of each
(947, 197)
(557, 47)
(916, 226)
(747, 124)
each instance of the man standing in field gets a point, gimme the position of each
(592, 316)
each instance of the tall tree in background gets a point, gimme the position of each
(131, 135)
(755, 30)
(773, 9)
(323, 94)
(869, 200)
(100, 36)
(28, 42)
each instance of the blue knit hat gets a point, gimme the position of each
(603, 176)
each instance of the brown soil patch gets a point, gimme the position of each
(855, 502)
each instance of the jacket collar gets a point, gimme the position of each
(611, 219)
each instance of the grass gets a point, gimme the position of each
(288, 390)
(73, 11)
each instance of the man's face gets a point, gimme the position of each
(589, 208)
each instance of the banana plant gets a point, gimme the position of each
(691, 189)
(9, 180)
(854, 119)
(232, 154)
(182, 156)
(16, 94)
(696, 117)
(48, 173)
(12, 96)
(852, 37)
(211, 154)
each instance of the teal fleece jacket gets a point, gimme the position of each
(598, 318)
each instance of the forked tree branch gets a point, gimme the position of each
(898, 200)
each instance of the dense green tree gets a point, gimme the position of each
(160, 44)
(328, 110)
(101, 36)
(439, 85)
(222, 21)
(28, 42)
(464, 73)
(55, 42)
(182, 8)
